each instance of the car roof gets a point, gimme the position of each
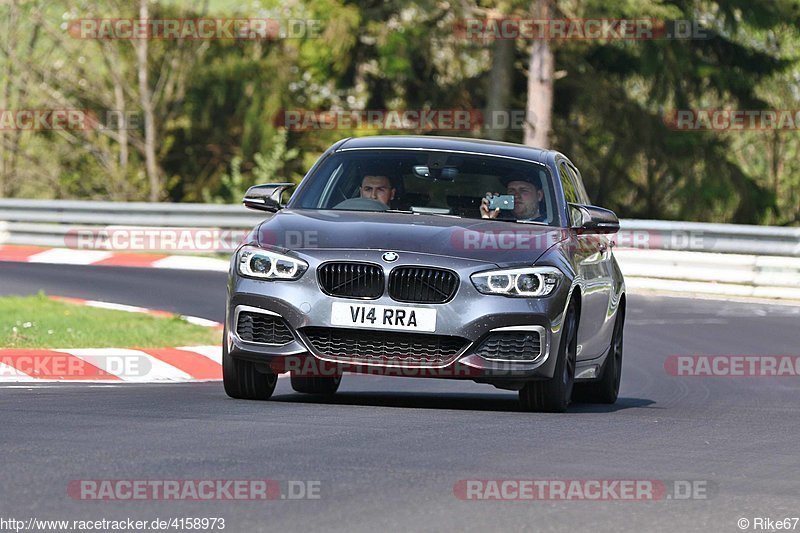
(432, 142)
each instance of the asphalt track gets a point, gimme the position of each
(388, 451)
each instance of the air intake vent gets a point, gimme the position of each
(522, 346)
(384, 347)
(351, 280)
(263, 329)
(422, 285)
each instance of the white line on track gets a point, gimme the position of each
(212, 352)
(108, 359)
(63, 256)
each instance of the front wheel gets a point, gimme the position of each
(555, 394)
(606, 389)
(242, 380)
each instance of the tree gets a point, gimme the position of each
(207, 109)
(541, 69)
(609, 110)
(146, 102)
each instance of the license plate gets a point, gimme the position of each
(383, 316)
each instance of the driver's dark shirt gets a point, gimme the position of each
(511, 218)
(540, 218)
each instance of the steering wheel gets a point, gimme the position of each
(361, 204)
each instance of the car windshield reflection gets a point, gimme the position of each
(431, 183)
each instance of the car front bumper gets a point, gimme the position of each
(469, 315)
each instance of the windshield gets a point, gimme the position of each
(431, 182)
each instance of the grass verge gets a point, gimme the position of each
(39, 322)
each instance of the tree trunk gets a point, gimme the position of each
(5, 93)
(777, 162)
(122, 110)
(20, 99)
(539, 110)
(146, 100)
(498, 98)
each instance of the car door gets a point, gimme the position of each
(593, 263)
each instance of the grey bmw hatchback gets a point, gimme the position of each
(429, 257)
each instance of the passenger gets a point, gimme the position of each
(528, 195)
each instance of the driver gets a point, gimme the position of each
(377, 187)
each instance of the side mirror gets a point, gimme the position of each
(265, 197)
(593, 219)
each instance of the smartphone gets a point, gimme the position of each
(504, 201)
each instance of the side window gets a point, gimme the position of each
(569, 193)
(579, 189)
(566, 184)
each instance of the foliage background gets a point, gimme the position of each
(214, 102)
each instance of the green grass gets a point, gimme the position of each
(38, 322)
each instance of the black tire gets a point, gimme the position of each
(606, 389)
(323, 386)
(554, 395)
(241, 379)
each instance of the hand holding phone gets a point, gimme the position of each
(493, 203)
(503, 201)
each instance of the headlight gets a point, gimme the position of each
(262, 264)
(520, 282)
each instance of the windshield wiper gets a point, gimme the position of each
(449, 215)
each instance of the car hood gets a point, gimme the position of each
(490, 241)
